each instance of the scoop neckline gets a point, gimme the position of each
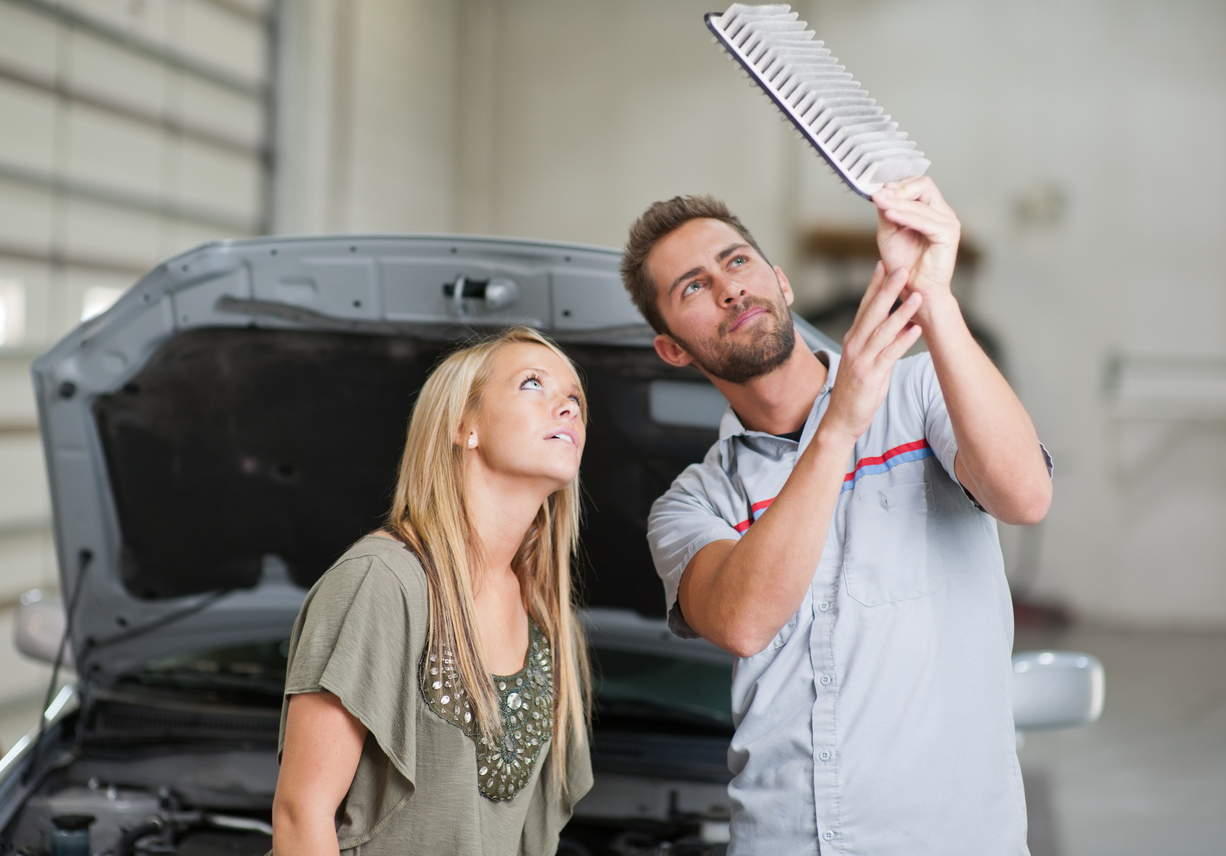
(534, 635)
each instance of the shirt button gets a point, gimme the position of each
(824, 754)
(827, 835)
(823, 606)
(825, 680)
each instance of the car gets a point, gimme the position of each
(224, 431)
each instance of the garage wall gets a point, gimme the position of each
(368, 116)
(1081, 144)
(129, 131)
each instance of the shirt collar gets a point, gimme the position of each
(730, 425)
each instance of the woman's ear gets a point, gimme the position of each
(465, 436)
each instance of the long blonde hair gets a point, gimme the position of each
(429, 514)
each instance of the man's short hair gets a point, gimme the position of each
(658, 222)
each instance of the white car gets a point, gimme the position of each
(221, 434)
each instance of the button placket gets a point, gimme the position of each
(825, 738)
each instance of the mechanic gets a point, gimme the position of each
(839, 537)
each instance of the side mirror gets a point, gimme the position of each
(39, 627)
(1056, 689)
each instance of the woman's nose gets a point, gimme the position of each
(566, 407)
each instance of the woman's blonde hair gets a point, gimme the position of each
(429, 514)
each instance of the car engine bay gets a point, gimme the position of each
(193, 804)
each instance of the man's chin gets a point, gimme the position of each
(742, 365)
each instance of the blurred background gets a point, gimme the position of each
(1080, 143)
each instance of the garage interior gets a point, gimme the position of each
(1080, 145)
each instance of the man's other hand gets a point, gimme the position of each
(918, 231)
(876, 341)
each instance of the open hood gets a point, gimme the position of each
(234, 422)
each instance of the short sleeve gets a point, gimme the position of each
(938, 429)
(683, 521)
(925, 391)
(354, 639)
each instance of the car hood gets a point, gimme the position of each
(225, 430)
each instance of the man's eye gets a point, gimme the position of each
(740, 260)
(691, 287)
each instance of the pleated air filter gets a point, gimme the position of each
(817, 95)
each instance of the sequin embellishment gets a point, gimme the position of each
(525, 708)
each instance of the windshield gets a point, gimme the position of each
(247, 674)
(634, 691)
(649, 692)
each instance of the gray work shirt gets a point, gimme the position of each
(879, 719)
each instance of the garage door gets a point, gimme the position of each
(129, 130)
(132, 129)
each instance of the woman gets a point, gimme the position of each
(437, 691)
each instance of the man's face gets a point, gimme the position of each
(725, 307)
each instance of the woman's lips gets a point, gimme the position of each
(566, 435)
(745, 316)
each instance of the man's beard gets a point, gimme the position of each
(737, 362)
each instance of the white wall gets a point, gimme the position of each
(368, 116)
(1121, 107)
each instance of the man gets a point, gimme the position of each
(839, 539)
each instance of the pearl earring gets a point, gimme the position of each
(472, 441)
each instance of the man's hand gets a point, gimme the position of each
(999, 459)
(917, 231)
(876, 341)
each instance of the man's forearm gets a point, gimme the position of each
(738, 594)
(999, 459)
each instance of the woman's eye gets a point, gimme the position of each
(531, 383)
(575, 399)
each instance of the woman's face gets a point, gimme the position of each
(530, 422)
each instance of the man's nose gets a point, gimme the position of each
(728, 291)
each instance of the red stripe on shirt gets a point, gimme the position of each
(881, 459)
(757, 506)
(863, 462)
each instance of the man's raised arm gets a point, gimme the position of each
(999, 457)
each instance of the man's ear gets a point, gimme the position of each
(670, 351)
(784, 285)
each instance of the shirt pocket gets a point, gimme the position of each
(890, 544)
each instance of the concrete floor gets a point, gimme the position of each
(1149, 779)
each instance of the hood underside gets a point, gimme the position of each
(232, 451)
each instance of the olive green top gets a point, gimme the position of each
(360, 635)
